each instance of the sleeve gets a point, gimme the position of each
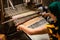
(50, 27)
(52, 31)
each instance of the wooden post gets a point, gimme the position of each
(1, 11)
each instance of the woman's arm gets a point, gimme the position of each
(39, 30)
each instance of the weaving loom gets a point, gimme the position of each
(31, 19)
(34, 23)
(20, 15)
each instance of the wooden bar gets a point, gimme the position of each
(32, 21)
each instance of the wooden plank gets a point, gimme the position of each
(32, 21)
(23, 14)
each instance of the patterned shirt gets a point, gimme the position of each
(52, 31)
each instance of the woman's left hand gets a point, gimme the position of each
(19, 27)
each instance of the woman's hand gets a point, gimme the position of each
(20, 27)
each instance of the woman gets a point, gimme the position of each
(53, 28)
